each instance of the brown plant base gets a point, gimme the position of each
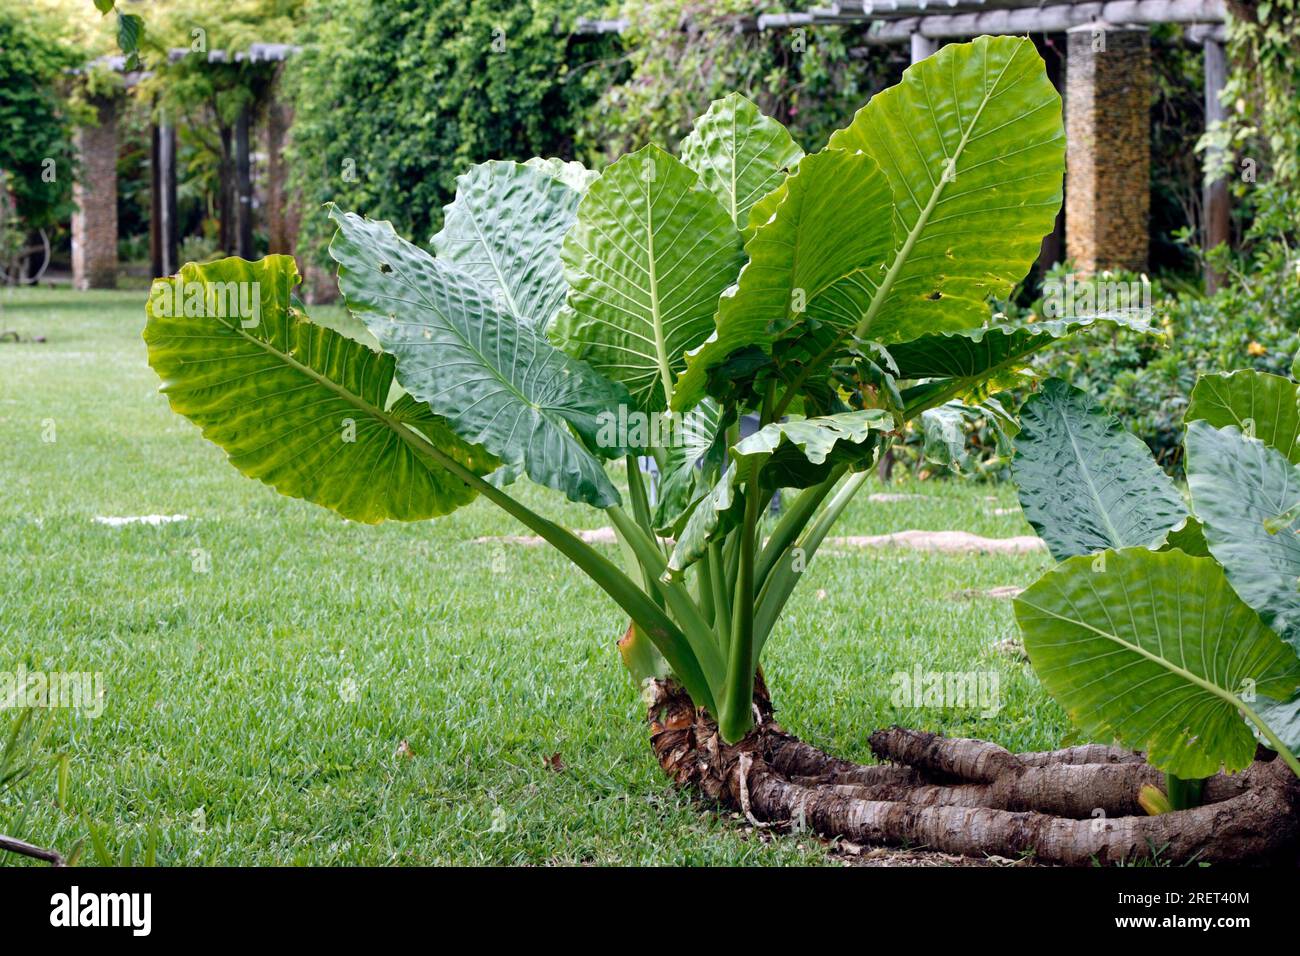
(1072, 807)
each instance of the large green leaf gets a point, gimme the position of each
(715, 513)
(1239, 487)
(1261, 405)
(793, 454)
(1188, 537)
(817, 260)
(498, 382)
(300, 407)
(974, 363)
(943, 432)
(763, 210)
(1283, 718)
(646, 261)
(739, 154)
(1154, 649)
(504, 229)
(1084, 482)
(570, 172)
(680, 471)
(801, 452)
(974, 148)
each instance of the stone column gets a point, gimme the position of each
(1108, 90)
(94, 224)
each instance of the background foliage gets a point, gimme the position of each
(1251, 322)
(394, 99)
(35, 120)
(683, 54)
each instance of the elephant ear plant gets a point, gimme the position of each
(563, 326)
(1171, 625)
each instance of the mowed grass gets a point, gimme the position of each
(255, 711)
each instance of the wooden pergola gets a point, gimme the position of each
(94, 224)
(1106, 87)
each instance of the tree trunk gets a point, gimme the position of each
(1073, 807)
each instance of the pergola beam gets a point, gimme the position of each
(967, 18)
(1054, 19)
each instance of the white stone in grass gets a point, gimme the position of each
(120, 521)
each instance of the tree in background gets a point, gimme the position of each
(1264, 115)
(1258, 145)
(36, 147)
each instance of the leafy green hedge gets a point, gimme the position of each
(394, 98)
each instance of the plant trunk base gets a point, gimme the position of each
(1072, 807)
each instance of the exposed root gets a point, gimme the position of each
(974, 761)
(23, 848)
(1074, 807)
(1087, 753)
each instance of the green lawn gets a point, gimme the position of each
(230, 721)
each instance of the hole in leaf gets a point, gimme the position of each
(385, 268)
(935, 296)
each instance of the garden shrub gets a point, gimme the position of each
(394, 99)
(1252, 321)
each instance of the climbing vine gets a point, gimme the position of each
(1262, 132)
(682, 54)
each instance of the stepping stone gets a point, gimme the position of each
(949, 541)
(1005, 591)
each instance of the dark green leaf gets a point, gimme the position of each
(1263, 406)
(497, 381)
(1239, 485)
(1085, 483)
